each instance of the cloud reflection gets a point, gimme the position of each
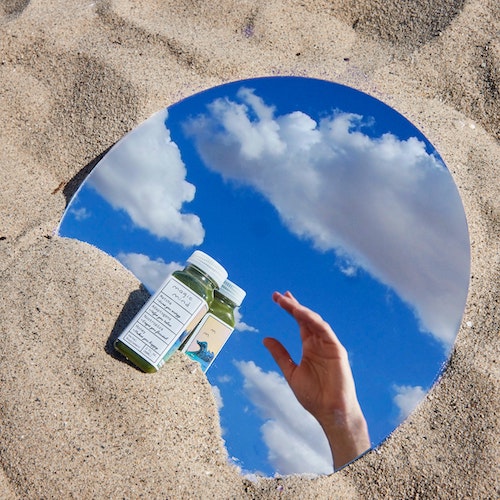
(407, 398)
(385, 204)
(295, 440)
(152, 273)
(145, 177)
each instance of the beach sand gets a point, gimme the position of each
(76, 421)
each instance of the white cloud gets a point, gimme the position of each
(349, 270)
(80, 213)
(145, 176)
(152, 273)
(217, 396)
(240, 325)
(385, 204)
(407, 398)
(295, 440)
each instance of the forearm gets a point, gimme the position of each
(347, 435)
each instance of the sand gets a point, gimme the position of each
(75, 421)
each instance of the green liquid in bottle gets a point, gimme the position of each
(213, 331)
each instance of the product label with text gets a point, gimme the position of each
(172, 309)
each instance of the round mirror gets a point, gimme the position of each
(303, 185)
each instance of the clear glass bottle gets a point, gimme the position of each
(173, 311)
(213, 331)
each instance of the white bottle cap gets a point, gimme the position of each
(210, 266)
(233, 292)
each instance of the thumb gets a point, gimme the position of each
(281, 356)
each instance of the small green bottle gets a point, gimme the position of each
(173, 311)
(213, 331)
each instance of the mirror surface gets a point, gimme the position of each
(303, 185)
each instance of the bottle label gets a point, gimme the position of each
(172, 310)
(207, 340)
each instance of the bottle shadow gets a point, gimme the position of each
(135, 301)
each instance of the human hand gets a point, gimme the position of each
(322, 382)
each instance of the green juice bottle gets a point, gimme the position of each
(173, 311)
(213, 331)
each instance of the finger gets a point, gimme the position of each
(304, 316)
(281, 356)
(291, 305)
(286, 301)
